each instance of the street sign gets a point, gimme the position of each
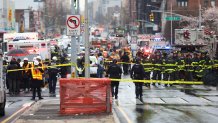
(73, 25)
(173, 18)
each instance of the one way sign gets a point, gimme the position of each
(73, 25)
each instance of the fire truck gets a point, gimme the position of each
(190, 40)
(29, 42)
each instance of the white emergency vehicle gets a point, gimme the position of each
(29, 42)
(2, 88)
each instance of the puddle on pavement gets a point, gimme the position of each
(172, 114)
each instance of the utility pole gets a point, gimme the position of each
(171, 27)
(200, 19)
(73, 46)
(87, 61)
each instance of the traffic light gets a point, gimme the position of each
(151, 16)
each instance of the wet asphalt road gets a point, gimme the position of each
(170, 114)
(130, 110)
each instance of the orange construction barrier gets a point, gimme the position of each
(85, 96)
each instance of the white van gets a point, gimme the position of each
(2, 87)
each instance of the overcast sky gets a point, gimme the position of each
(24, 4)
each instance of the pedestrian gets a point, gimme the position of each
(100, 64)
(12, 76)
(138, 73)
(26, 75)
(53, 73)
(37, 80)
(114, 72)
(125, 60)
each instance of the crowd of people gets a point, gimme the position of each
(176, 66)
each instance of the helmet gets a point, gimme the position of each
(54, 58)
(38, 57)
(25, 59)
(36, 62)
(34, 59)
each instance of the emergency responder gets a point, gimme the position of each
(53, 74)
(157, 62)
(139, 53)
(64, 69)
(37, 80)
(138, 73)
(125, 60)
(170, 69)
(26, 74)
(181, 66)
(114, 72)
(196, 66)
(148, 67)
(188, 68)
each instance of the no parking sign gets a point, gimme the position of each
(73, 25)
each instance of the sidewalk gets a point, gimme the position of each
(47, 111)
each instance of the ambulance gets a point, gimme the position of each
(28, 41)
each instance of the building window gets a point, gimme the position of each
(213, 3)
(182, 3)
(206, 2)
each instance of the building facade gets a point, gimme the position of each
(188, 8)
(7, 21)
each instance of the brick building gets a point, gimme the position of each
(189, 8)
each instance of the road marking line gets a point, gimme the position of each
(17, 112)
(124, 114)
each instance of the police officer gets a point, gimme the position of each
(114, 72)
(137, 73)
(157, 62)
(148, 67)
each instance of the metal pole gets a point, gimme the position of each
(171, 30)
(200, 15)
(73, 46)
(87, 61)
(78, 12)
(163, 17)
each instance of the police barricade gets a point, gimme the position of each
(85, 96)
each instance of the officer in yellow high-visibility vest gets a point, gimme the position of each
(37, 80)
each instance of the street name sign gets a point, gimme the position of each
(73, 25)
(173, 18)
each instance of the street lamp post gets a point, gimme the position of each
(87, 61)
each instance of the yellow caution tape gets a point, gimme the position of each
(159, 81)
